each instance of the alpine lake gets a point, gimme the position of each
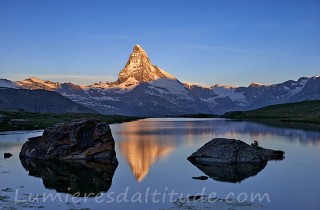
(154, 173)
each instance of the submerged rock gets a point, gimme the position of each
(200, 177)
(87, 139)
(221, 150)
(7, 155)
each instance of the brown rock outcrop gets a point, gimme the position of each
(87, 139)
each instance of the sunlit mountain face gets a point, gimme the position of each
(140, 69)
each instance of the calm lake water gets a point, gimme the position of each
(153, 169)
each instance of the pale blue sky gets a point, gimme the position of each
(205, 41)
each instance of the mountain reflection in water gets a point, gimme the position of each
(142, 143)
(86, 178)
(141, 151)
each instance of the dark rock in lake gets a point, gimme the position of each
(221, 150)
(87, 139)
(233, 173)
(76, 177)
(7, 155)
(200, 177)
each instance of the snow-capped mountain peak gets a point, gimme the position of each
(140, 69)
(256, 84)
(36, 83)
(140, 50)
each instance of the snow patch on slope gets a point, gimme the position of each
(129, 84)
(105, 98)
(4, 83)
(171, 86)
(298, 89)
(168, 76)
(223, 92)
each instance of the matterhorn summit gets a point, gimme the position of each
(140, 69)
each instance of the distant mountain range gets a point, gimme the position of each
(143, 89)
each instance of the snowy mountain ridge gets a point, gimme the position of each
(143, 89)
(4, 83)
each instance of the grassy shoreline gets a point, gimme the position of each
(38, 121)
(306, 112)
(278, 119)
(300, 112)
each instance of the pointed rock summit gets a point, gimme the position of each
(140, 69)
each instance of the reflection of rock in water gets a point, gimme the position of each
(231, 172)
(83, 177)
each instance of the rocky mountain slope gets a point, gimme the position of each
(143, 89)
(40, 101)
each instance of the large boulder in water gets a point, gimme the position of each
(87, 139)
(221, 150)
